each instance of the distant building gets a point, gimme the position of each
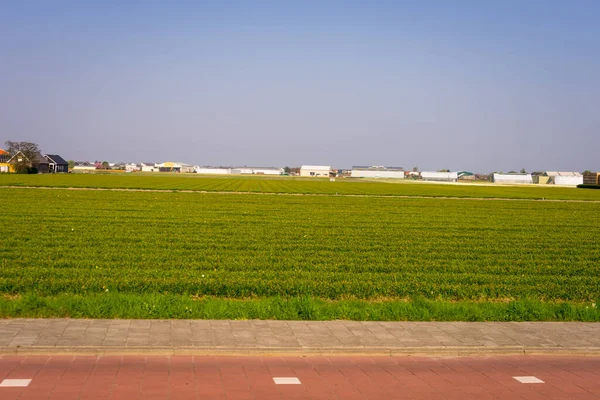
(149, 167)
(377, 172)
(56, 164)
(315, 171)
(591, 178)
(84, 167)
(38, 162)
(564, 178)
(267, 171)
(465, 176)
(212, 170)
(439, 176)
(131, 167)
(513, 178)
(170, 166)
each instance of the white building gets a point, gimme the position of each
(257, 170)
(377, 172)
(513, 178)
(170, 166)
(149, 167)
(315, 170)
(84, 167)
(565, 178)
(212, 170)
(439, 176)
(132, 167)
(268, 171)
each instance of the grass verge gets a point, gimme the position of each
(159, 306)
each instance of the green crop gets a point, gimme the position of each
(57, 242)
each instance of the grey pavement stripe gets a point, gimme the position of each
(297, 337)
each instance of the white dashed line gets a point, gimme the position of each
(15, 383)
(528, 379)
(287, 381)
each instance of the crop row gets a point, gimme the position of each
(58, 241)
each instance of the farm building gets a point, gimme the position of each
(170, 166)
(257, 170)
(84, 167)
(267, 171)
(315, 170)
(131, 167)
(522, 179)
(563, 178)
(56, 163)
(377, 172)
(540, 178)
(591, 178)
(212, 170)
(465, 176)
(439, 176)
(149, 167)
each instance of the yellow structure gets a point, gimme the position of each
(4, 165)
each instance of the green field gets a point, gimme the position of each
(258, 184)
(164, 254)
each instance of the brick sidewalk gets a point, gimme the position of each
(257, 337)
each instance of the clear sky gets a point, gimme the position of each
(466, 85)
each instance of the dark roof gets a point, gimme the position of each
(39, 159)
(56, 159)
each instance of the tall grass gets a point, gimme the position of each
(157, 306)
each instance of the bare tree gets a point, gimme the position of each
(28, 149)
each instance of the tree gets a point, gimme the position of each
(105, 165)
(415, 169)
(444, 170)
(71, 164)
(523, 171)
(287, 170)
(30, 150)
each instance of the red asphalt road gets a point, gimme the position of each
(203, 377)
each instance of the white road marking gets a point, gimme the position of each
(287, 381)
(15, 383)
(528, 379)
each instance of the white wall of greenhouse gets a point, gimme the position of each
(568, 180)
(212, 171)
(513, 178)
(269, 171)
(315, 170)
(365, 173)
(439, 176)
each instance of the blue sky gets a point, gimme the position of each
(473, 85)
